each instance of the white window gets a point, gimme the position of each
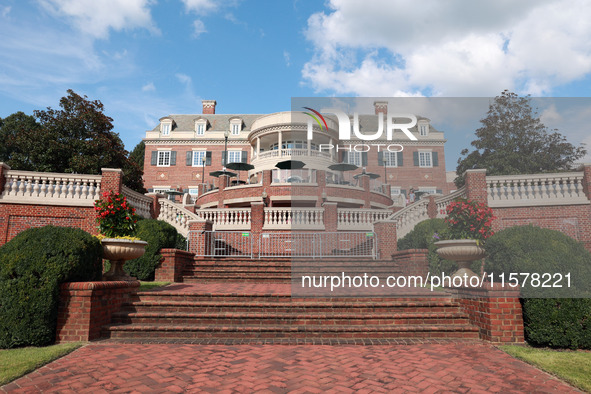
(355, 158)
(395, 191)
(390, 159)
(194, 191)
(425, 159)
(424, 129)
(198, 158)
(165, 128)
(428, 190)
(235, 127)
(234, 156)
(200, 128)
(163, 158)
(162, 189)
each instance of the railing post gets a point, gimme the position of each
(586, 180)
(112, 180)
(3, 168)
(256, 224)
(387, 243)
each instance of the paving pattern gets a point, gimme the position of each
(429, 368)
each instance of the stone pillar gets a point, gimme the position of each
(223, 183)
(321, 182)
(431, 207)
(172, 264)
(280, 143)
(112, 180)
(257, 217)
(3, 168)
(155, 205)
(476, 185)
(258, 151)
(364, 182)
(387, 243)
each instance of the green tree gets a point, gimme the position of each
(137, 154)
(513, 140)
(77, 138)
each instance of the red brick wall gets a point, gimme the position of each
(172, 265)
(412, 262)
(495, 310)
(85, 307)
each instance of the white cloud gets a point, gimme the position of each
(448, 48)
(198, 28)
(5, 11)
(149, 87)
(184, 79)
(287, 58)
(200, 6)
(97, 18)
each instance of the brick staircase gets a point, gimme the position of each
(249, 301)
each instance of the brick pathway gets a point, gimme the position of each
(123, 368)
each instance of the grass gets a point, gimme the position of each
(571, 366)
(151, 285)
(15, 363)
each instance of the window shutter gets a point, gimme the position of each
(150, 190)
(223, 157)
(439, 191)
(244, 157)
(399, 159)
(190, 158)
(345, 158)
(403, 192)
(435, 159)
(207, 158)
(381, 159)
(364, 159)
(173, 158)
(415, 158)
(185, 191)
(154, 160)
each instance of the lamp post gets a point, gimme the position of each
(203, 171)
(226, 135)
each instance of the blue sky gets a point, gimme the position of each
(145, 59)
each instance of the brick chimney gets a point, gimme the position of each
(208, 107)
(381, 106)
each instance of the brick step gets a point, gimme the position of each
(290, 318)
(302, 270)
(215, 278)
(169, 331)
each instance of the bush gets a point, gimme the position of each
(421, 237)
(550, 318)
(32, 266)
(158, 235)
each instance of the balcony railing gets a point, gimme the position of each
(293, 218)
(293, 153)
(360, 219)
(227, 218)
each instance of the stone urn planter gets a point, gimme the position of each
(463, 252)
(118, 251)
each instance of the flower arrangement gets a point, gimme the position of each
(115, 217)
(468, 219)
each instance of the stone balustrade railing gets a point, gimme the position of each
(360, 219)
(227, 218)
(293, 218)
(293, 153)
(442, 202)
(141, 203)
(46, 188)
(176, 215)
(538, 189)
(408, 217)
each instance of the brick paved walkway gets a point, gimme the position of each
(108, 367)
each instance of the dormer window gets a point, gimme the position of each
(200, 126)
(423, 128)
(235, 126)
(165, 126)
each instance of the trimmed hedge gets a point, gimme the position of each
(158, 235)
(550, 319)
(421, 237)
(32, 266)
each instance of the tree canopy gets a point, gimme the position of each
(78, 138)
(513, 140)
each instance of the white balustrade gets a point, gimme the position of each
(138, 201)
(443, 202)
(536, 189)
(227, 218)
(293, 218)
(293, 153)
(176, 215)
(45, 188)
(408, 217)
(360, 219)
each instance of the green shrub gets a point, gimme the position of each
(32, 266)
(422, 237)
(159, 235)
(181, 242)
(550, 318)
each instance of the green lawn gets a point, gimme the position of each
(151, 285)
(571, 366)
(15, 363)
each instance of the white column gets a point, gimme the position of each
(332, 151)
(280, 141)
(258, 146)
